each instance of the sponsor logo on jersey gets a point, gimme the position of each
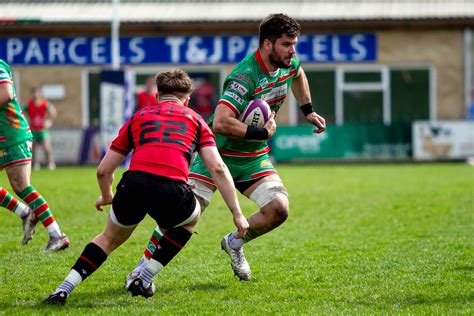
(275, 93)
(262, 81)
(237, 87)
(243, 77)
(264, 163)
(234, 96)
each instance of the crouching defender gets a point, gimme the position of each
(265, 74)
(163, 138)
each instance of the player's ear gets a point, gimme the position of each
(157, 97)
(267, 44)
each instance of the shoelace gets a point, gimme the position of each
(238, 255)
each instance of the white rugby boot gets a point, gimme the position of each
(136, 272)
(131, 277)
(136, 287)
(29, 223)
(56, 244)
(237, 260)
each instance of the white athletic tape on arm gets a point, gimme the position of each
(267, 192)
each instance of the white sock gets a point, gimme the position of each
(21, 209)
(235, 243)
(53, 230)
(72, 280)
(141, 265)
(151, 269)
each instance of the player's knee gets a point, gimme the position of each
(272, 198)
(279, 209)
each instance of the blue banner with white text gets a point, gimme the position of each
(317, 48)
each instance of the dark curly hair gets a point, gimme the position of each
(276, 25)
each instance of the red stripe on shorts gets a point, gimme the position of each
(263, 173)
(16, 162)
(201, 177)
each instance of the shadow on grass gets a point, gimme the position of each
(85, 300)
(117, 297)
(467, 268)
(418, 300)
(448, 299)
(208, 287)
(109, 297)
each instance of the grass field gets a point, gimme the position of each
(360, 239)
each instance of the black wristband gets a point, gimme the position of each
(256, 133)
(307, 108)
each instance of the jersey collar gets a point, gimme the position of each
(260, 61)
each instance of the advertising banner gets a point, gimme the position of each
(320, 48)
(348, 142)
(112, 105)
(66, 144)
(443, 140)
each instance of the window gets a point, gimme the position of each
(93, 85)
(362, 95)
(410, 98)
(372, 94)
(322, 86)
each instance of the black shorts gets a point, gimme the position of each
(167, 201)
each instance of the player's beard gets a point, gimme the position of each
(277, 61)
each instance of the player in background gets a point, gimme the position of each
(15, 158)
(163, 139)
(41, 113)
(265, 74)
(148, 95)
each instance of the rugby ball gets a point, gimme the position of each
(256, 113)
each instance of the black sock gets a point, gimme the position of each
(90, 260)
(170, 244)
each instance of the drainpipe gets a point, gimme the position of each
(468, 89)
(115, 25)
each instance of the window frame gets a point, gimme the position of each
(384, 86)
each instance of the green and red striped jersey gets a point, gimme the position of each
(250, 80)
(14, 128)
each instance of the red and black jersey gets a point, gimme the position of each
(163, 138)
